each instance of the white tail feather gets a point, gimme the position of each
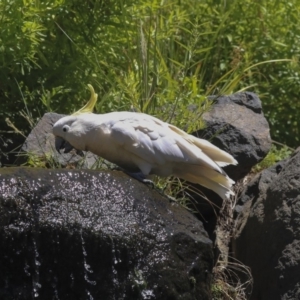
(221, 190)
(220, 157)
(211, 179)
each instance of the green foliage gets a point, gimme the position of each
(273, 32)
(275, 155)
(47, 53)
(220, 291)
(36, 161)
(159, 57)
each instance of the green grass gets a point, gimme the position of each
(276, 154)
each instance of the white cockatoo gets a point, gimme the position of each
(138, 142)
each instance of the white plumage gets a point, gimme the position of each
(141, 143)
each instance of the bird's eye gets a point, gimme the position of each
(65, 128)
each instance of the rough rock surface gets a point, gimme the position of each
(237, 125)
(73, 234)
(40, 142)
(268, 231)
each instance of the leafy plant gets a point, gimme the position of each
(276, 154)
(158, 57)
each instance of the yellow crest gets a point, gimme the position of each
(88, 108)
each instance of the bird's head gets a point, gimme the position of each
(68, 131)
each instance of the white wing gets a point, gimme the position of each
(155, 143)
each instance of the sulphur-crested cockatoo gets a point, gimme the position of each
(138, 142)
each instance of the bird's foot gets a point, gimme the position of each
(140, 177)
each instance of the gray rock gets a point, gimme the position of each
(267, 237)
(74, 234)
(40, 142)
(237, 125)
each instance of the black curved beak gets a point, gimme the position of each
(60, 144)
